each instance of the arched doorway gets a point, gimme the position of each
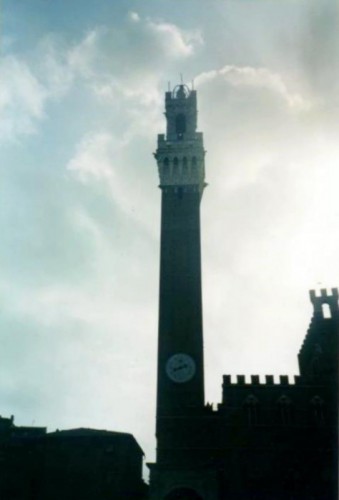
(183, 494)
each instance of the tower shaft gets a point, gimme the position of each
(180, 390)
(180, 159)
(180, 302)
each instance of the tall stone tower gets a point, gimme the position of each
(180, 390)
(180, 158)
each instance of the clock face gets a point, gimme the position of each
(180, 368)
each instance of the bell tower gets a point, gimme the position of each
(180, 386)
(180, 159)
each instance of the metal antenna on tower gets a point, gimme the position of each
(181, 78)
(169, 86)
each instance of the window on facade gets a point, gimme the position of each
(291, 481)
(166, 166)
(326, 311)
(285, 410)
(251, 409)
(317, 405)
(175, 166)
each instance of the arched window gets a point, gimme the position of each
(194, 166)
(317, 405)
(291, 481)
(166, 166)
(183, 494)
(180, 125)
(251, 409)
(285, 410)
(175, 166)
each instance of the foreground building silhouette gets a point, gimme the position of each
(69, 465)
(265, 441)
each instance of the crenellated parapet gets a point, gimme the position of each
(273, 402)
(242, 380)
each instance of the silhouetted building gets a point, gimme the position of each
(265, 440)
(73, 464)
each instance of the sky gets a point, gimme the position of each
(81, 103)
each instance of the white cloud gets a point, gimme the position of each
(92, 158)
(261, 78)
(22, 99)
(27, 85)
(136, 57)
(47, 73)
(83, 57)
(99, 158)
(134, 17)
(121, 62)
(174, 42)
(53, 67)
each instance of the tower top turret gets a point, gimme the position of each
(331, 300)
(181, 113)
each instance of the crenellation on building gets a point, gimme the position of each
(254, 380)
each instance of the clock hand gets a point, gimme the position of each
(180, 367)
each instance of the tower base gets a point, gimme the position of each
(172, 483)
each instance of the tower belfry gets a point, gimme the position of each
(180, 153)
